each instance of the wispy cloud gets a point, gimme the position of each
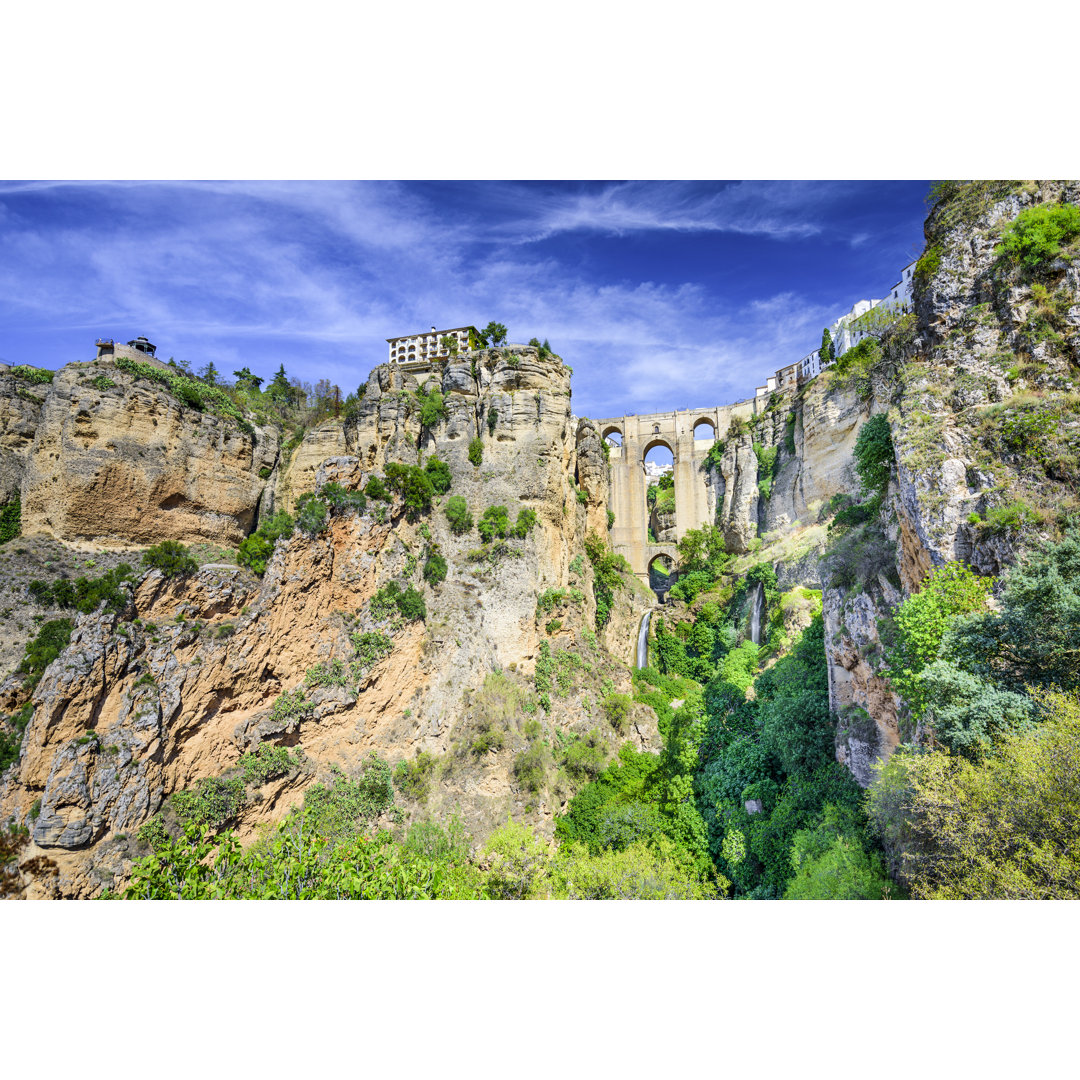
(786, 210)
(317, 275)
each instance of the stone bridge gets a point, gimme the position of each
(695, 501)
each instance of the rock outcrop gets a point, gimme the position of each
(175, 689)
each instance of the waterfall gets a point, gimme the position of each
(756, 611)
(643, 641)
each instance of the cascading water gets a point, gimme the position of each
(756, 611)
(643, 641)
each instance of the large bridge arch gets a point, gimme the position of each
(695, 502)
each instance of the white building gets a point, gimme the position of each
(851, 328)
(414, 348)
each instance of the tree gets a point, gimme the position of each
(827, 351)
(457, 514)
(1007, 827)
(873, 455)
(210, 374)
(922, 620)
(496, 332)
(449, 344)
(477, 338)
(245, 379)
(279, 385)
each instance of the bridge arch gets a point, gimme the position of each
(659, 440)
(704, 428)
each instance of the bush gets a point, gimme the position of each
(171, 558)
(1005, 828)
(413, 484)
(530, 766)
(438, 472)
(617, 709)
(413, 778)
(212, 803)
(52, 639)
(1035, 237)
(10, 519)
(255, 550)
(476, 452)
(411, 605)
(435, 569)
(376, 489)
(457, 514)
(495, 522)
(432, 408)
(526, 519)
(311, 514)
(371, 647)
(266, 763)
(921, 621)
(12, 730)
(873, 455)
(37, 376)
(334, 495)
(331, 673)
(291, 707)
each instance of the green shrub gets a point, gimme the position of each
(334, 495)
(291, 707)
(413, 484)
(432, 408)
(874, 455)
(10, 519)
(376, 489)
(585, 756)
(265, 472)
(255, 550)
(492, 419)
(435, 569)
(211, 803)
(1008, 519)
(921, 621)
(526, 519)
(311, 514)
(530, 766)
(494, 522)
(457, 514)
(371, 647)
(331, 673)
(52, 639)
(171, 558)
(617, 709)
(413, 778)
(768, 464)
(266, 762)
(37, 376)
(476, 452)
(438, 473)
(411, 605)
(1035, 237)
(12, 730)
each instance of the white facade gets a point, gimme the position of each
(846, 331)
(414, 348)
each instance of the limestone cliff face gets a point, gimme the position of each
(177, 687)
(126, 464)
(997, 348)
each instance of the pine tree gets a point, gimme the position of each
(827, 352)
(279, 385)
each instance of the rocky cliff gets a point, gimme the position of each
(199, 670)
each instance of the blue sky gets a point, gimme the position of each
(660, 295)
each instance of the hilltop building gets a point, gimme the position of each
(139, 349)
(851, 328)
(417, 348)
